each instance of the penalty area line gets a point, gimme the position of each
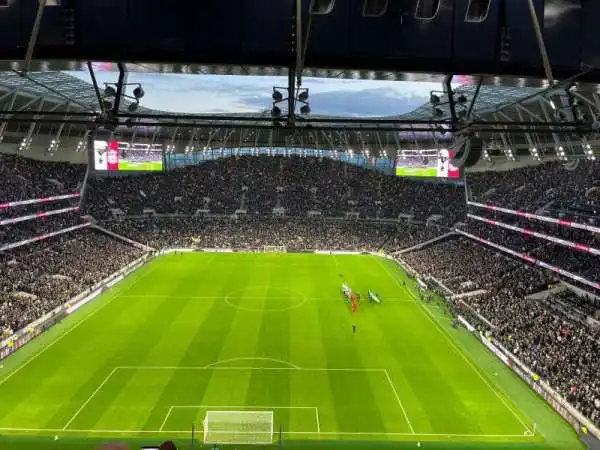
(391, 383)
(89, 399)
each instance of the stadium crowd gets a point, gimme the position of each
(548, 188)
(24, 178)
(572, 260)
(41, 276)
(552, 334)
(297, 234)
(262, 185)
(31, 228)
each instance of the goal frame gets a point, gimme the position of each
(207, 434)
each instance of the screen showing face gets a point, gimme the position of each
(426, 164)
(122, 156)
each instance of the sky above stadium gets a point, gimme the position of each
(252, 94)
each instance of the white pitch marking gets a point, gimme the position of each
(331, 433)
(253, 358)
(89, 399)
(307, 369)
(317, 419)
(459, 351)
(391, 383)
(221, 299)
(241, 407)
(162, 425)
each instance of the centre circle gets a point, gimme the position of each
(265, 299)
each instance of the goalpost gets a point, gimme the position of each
(274, 249)
(238, 427)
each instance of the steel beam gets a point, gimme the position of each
(121, 87)
(33, 36)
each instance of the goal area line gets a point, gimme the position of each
(59, 431)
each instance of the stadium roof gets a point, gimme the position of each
(60, 87)
(521, 101)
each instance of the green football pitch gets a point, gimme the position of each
(199, 332)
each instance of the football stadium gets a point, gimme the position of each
(299, 225)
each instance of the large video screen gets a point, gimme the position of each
(433, 163)
(115, 156)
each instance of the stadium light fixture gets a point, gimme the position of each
(486, 154)
(535, 154)
(138, 92)
(109, 92)
(303, 95)
(277, 96)
(25, 144)
(53, 146)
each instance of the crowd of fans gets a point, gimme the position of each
(31, 228)
(548, 187)
(24, 179)
(296, 234)
(262, 185)
(39, 277)
(573, 260)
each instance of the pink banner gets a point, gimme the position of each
(561, 222)
(43, 237)
(528, 258)
(38, 215)
(38, 200)
(564, 242)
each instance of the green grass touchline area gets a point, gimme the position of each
(198, 332)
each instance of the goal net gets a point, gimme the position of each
(238, 427)
(274, 248)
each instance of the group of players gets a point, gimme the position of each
(354, 297)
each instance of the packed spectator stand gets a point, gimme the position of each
(263, 185)
(254, 233)
(310, 203)
(40, 274)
